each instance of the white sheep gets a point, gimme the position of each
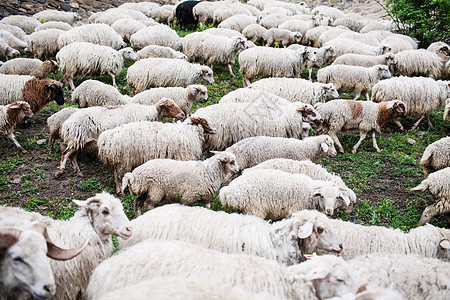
(421, 95)
(111, 15)
(273, 20)
(161, 35)
(55, 15)
(438, 184)
(29, 66)
(11, 87)
(297, 89)
(54, 124)
(255, 150)
(418, 63)
(254, 32)
(237, 233)
(272, 62)
(359, 37)
(7, 51)
(307, 167)
(250, 96)
(353, 78)
(436, 156)
(74, 59)
(229, 33)
(351, 23)
(122, 146)
(357, 240)
(227, 11)
(367, 116)
(192, 44)
(27, 24)
(367, 61)
(237, 22)
(183, 97)
(96, 93)
(253, 274)
(100, 34)
(324, 56)
(15, 30)
(273, 194)
(326, 34)
(311, 37)
(284, 37)
(165, 72)
(53, 25)
(383, 25)
(126, 28)
(10, 115)
(204, 11)
(97, 219)
(162, 14)
(81, 130)
(160, 51)
(414, 277)
(181, 287)
(330, 12)
(343, 46)
(12, 40)
(171, 180)
(44, 44)
(237, 121)
(399, 42)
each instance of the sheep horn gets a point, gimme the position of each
(54, 251)
(8, 237)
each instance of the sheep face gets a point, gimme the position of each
(128, 53)
(167, 108)
(330, 91)
(229, 163)
(383, 71)
(56, 92)
(307, 54)
(398, 109)
(26, 264)
(12, 53)
(207, 74)
(24, 110)
(198, 92)
(107, 216)
(239, 44)
(385, 48)
(327, 146)
(310, 115)
(329, 194)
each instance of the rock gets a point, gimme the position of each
(420, 133)
(16, 180)
(53, 3)
(411, 141)
(41, 141)
(65, 7)
(74, 5)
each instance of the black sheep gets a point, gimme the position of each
(184, 13)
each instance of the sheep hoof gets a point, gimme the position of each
(378, 150)
(23, 150)
(59, 173)
(80, 174)
(353, 151)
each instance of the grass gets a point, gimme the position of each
(382, 181)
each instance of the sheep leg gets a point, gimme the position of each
(418, 122)
(375, 142)
(113, 76)
(438, 208)
(310, 72)
(367, 96)
(231, 71)
(337, 143)
(245, 81)
(51, 142)
(70, 81)
(362, 136)
(138, 203)
(399, 125)
(429, 122)
(12, 137)
(65, 155)
(75, 166)
(118, 175)
(358, 94)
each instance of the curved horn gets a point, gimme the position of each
(8, 237)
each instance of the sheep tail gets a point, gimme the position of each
(423, 186)
(126, 180)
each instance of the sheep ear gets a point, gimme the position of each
(15, 106)
(194, 120)
(345, 199)
(316, 191)
(445, 244)
(301, 109)
(305, 230)
(79, 202)
(324, 146)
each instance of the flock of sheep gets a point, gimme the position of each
(251, 148)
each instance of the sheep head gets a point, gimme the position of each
(327, 146)
(107, 216)
(383, 71)
(307, 54)
(56, 92)
(207, 74)
(330, 196)
(197, 92)
(128, 53)
(330, 91)
(167, 108)
(21, 109)
(309, 114)
(228, 161)
(207, 128)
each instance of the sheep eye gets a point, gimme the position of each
(19, 259)
(320, 230)
(340, 280)
(105, 212)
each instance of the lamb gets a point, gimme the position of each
(307, 167)
(273, 194)
(6, 51)
(421, 95)
(96, 93)
(179, 181)
(56, 15)
(122, 146)
(436, 156)
(254, 32)
(54, 124)
(10, 115)
(447, 110)
(97, 219)
(297, 89)
(282, 36)
(324, 56)
(367, 61)
(330, 12)
(15, 30)
(160, 51)
(321, 37)
(11, 87)
(162, 15)
(53, 25)
(183, 97)
(255, 150)
(418, 63)
(353, 78)
(165, 72)
(181, 287)
(81, 130)
(273, 20)
(227, 232)
(438, 184)
(24, 265)
(237, 22)
(203, 12)
(251, 96)
(341, 115)
(27, 24)
(161, 35)
(28, 66)
(100, 34)
(126, 28)
(237, 121)
(254, 274)
(12, 40)
(272, 62)
(44, 44)
(192, 44)
(404, 272)
(343, 46)
(311, 37)
(357, 240)
(74, 60)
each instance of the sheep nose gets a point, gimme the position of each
(329, 211)
(340, 247)
(50, 288)
(128, 229)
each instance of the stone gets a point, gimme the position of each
(74, 5)
(411, 141)
(97, 4)
(65, 7)
(420, 133)
(27, 6)
(53, 3)
(41, 141)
